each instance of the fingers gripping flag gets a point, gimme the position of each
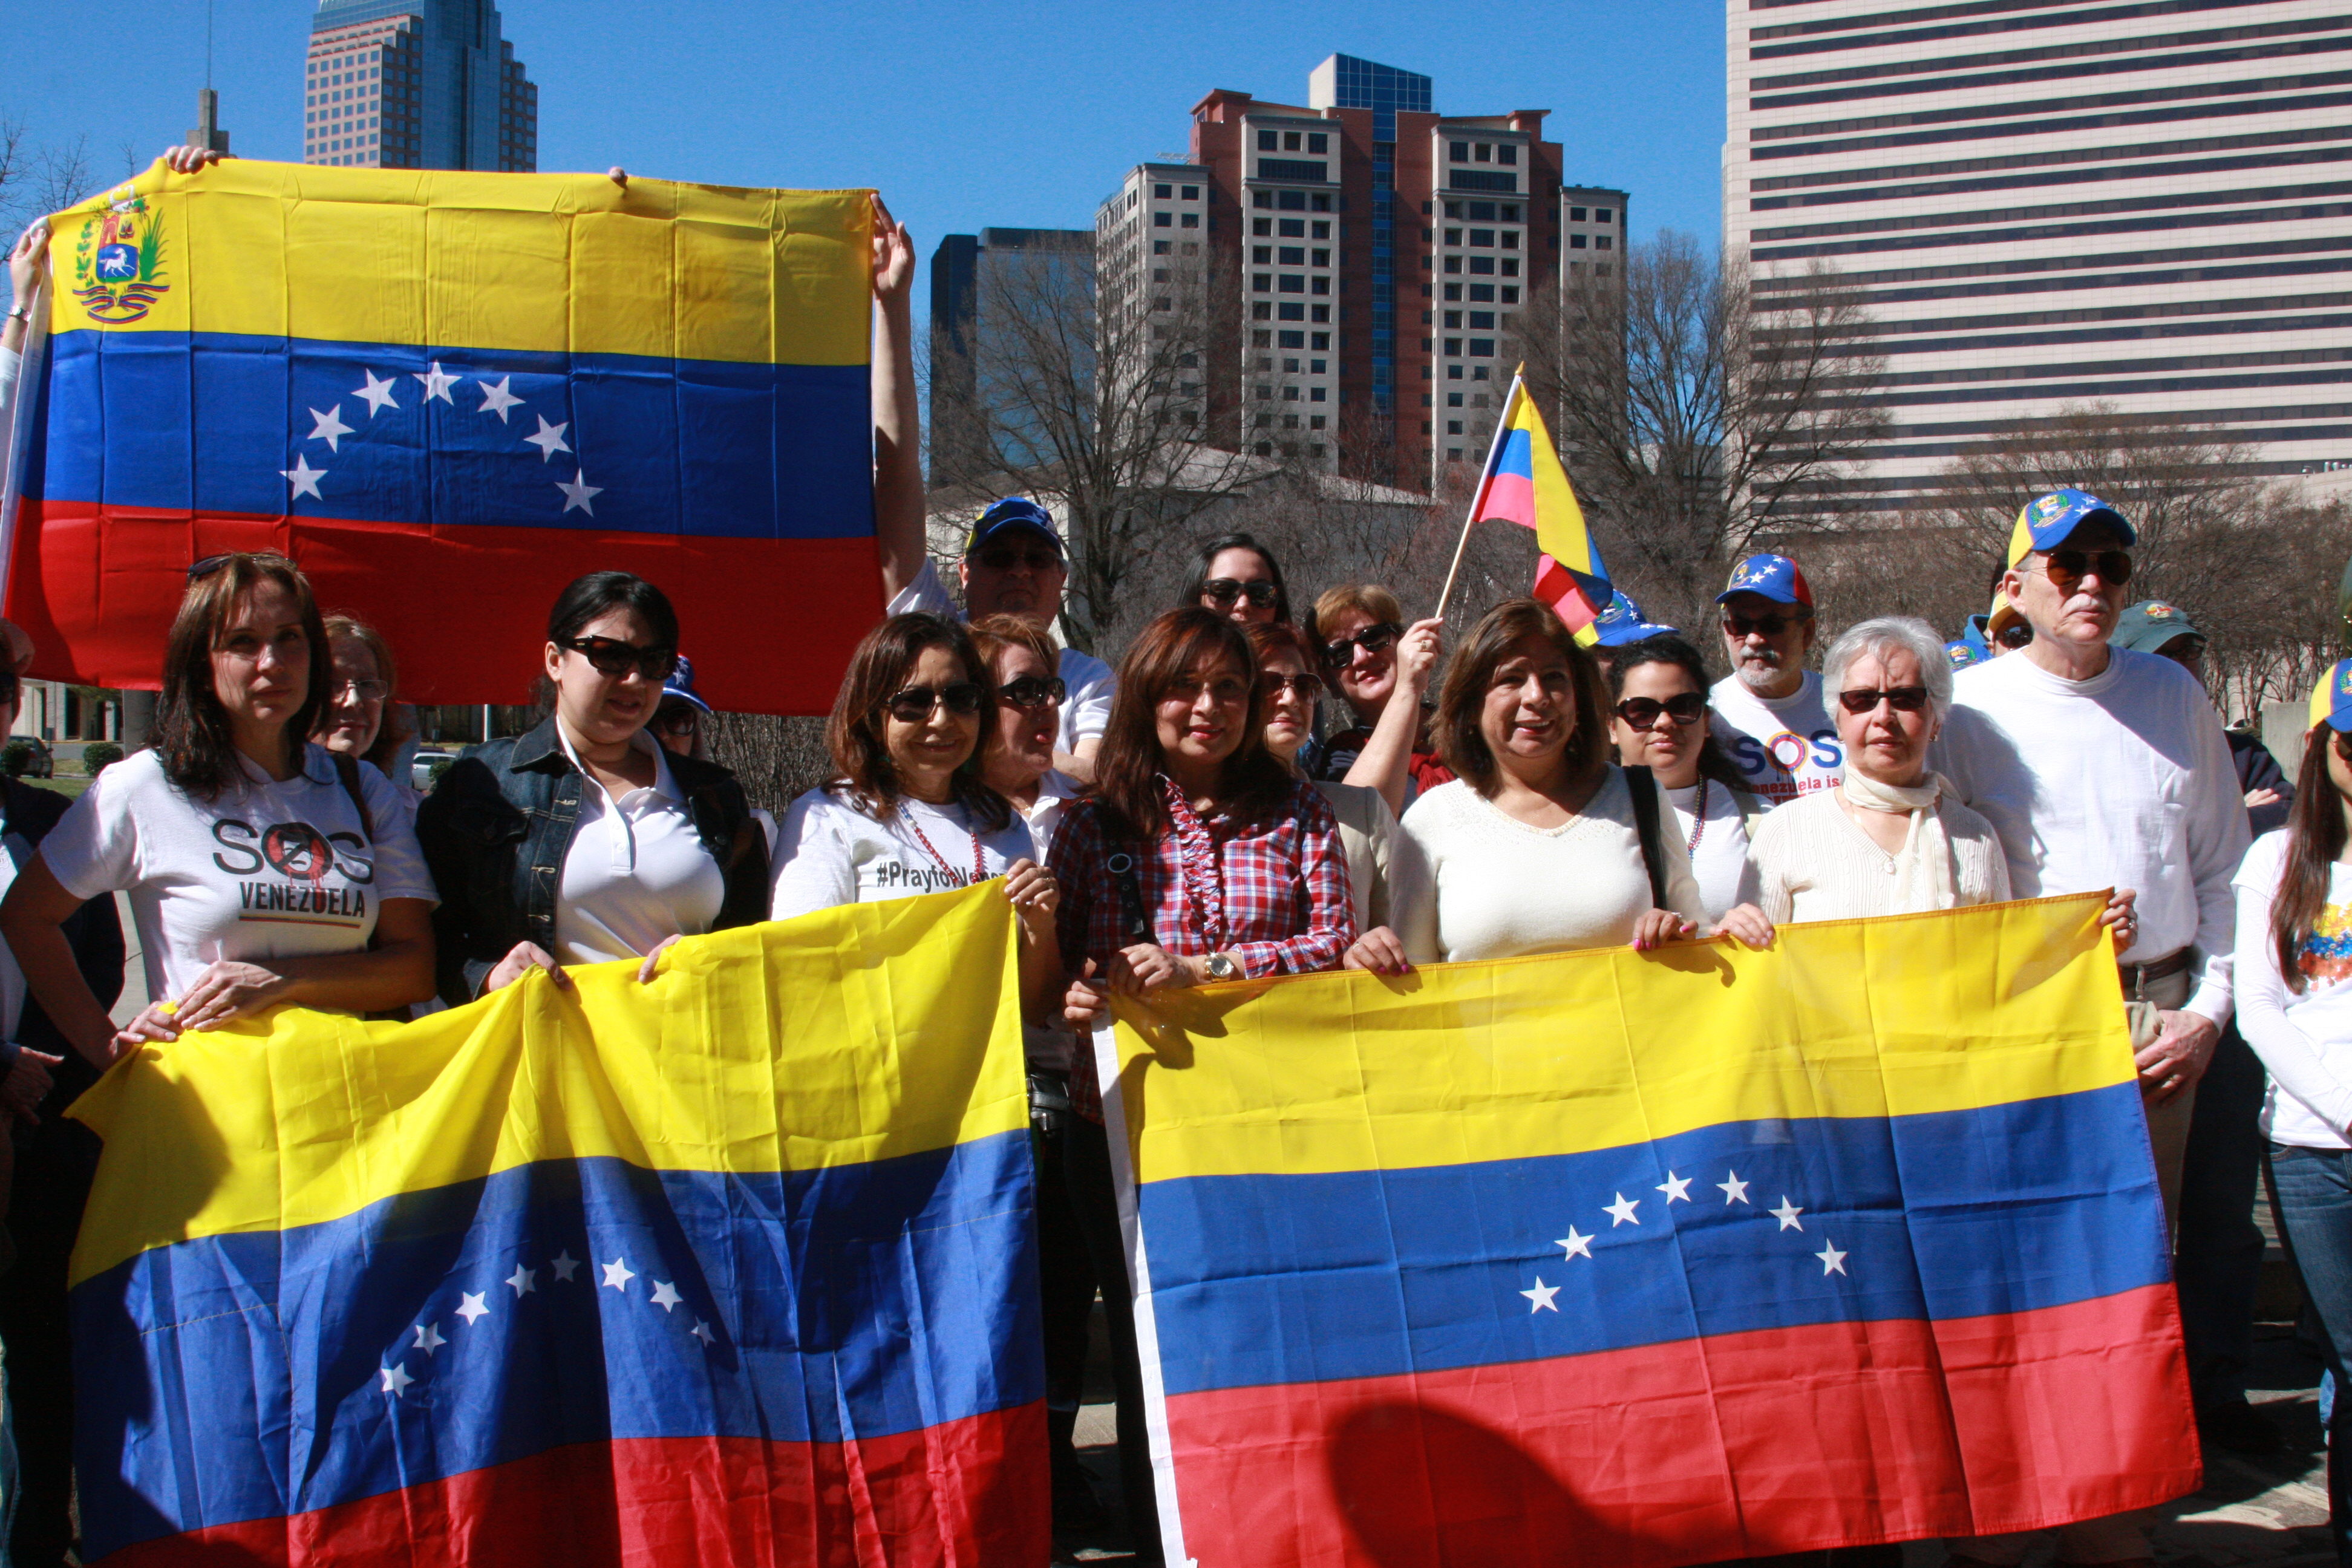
(1524, 483)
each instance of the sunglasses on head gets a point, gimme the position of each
(916, 704)
(1865, 699)
(1770, 626)
(1033, 691)
(1222, 591)
(2066, 568)
(1005, 558)
(1683, 708)
(1273, 683)
(611, 655)
(1371, 639)
(2015, 635)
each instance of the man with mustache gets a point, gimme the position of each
(1768, 717)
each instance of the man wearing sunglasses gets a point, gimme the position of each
(1013, 565)
(1770, 718)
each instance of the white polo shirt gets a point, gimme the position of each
(636, 873)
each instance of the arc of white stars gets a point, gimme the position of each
(1833, 1260)
(438, 384)
(376, 394)
(579, 493)
(565, 1265)
(429, 1339)
(395, 1378)
(618, 1274)
(304, 478)
(1735, 1191)
(1542, 1296)
(1575, 1243)
(328, 426)
(550, 439)
(1787, 1213)
(1622, 1211)
(472, 1308)
(1676, 1188)
(665, 1296)
(497, 399)
(523, 1281)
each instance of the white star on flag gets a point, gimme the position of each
(428, 1338)
(1735, 1191)
(618, 1274)
(1623, 1210)
(395, 1378)
(472, 1308)
(564, 1265)
(701, 1330)
(1787, 1213)
(1676, 1188)
(579, 492)
(665, 1294)
(1542, 1296)
(329, 426)
(524, 1280)
(550, 439)
(1833, 1260)
(376, 394)
(305, 478)
(1576, 1243)
(498, 399)
(436, 383)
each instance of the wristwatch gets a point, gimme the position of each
(1222, 967)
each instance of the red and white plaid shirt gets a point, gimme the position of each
(1272, 891)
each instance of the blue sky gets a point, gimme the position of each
(964, 114)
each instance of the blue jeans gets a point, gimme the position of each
(2314, 1199)
(2217, 1259)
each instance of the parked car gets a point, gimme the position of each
(27, 757)
(421, 768)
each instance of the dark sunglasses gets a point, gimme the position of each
(678, 720)
(1371, 639)
(611, 655)
(1033, 691)
(1865, 699)
(198, 570)
(1222, 591)
(1005, 558)
(916, 703)
(1309, 686)
(1770, 625)
(2066, 568)
(2344, 745)
(1683, 708)
(2016, 634)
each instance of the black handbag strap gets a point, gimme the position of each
(1644, 790)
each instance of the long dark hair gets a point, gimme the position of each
(586, 598)
(1128, 765)
(1191, 598)
(1459, 740)
(2315, 842)
(192, 726)
(854, 734)
(1664, 649)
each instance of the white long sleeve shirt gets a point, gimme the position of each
(2304, 1038)
(2121, 781)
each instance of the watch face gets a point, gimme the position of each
(1221, 967)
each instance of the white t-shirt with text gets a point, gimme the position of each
(832, 853)
(1783, 746)
(2304, 1038)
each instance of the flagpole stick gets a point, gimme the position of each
(1502, 430)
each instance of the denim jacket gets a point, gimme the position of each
(496, 830)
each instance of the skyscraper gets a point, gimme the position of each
(2043, 205)
(990, 291)
(416, 84)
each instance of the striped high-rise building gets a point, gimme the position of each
(416, 84)
(2049, 203)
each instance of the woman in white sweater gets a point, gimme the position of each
(1537, 845)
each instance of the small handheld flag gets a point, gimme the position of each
(1524, 483)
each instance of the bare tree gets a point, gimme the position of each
(775, 758)
(35, 180)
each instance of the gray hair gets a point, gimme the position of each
(1877, 637)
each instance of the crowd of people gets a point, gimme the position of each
(1253, 792)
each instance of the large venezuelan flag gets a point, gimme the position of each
(447, 395)
(1524, 483)
(1632, 1259)
(734, 1267)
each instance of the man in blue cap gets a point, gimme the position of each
(1013, 565)
(1769, 715)
(2101, 768)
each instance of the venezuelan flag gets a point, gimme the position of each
(737, 1267)
(447, 395)
(1524, 483)
(1645, 1259)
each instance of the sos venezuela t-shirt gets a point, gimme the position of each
(269, 869)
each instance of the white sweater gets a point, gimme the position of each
(1813, 863)
(2304, 1038)
(2121, 781)
(1499, 887)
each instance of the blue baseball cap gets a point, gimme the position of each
(2331, 699)
(1977, 637)
(1963, 653)
(2043, 522)
(1774, 577)
(1012, 512)
(680, 684)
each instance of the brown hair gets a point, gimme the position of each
(1459, 739)
(1128, 767)
(993, 634)
(192, 726)
(2315, 841)
(1266, 636)
(1668, 650)
(1364, 598)
(854, 736)
(392, 733)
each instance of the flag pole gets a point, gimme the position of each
(1502, 432)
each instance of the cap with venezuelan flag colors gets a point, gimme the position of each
(2331, 699)
(1623, 622)
(1775, 577)
(2043, 522)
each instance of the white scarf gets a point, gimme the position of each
(1923, 867)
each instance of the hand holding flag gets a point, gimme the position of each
(1525, 483)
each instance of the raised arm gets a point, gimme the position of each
(898, 501)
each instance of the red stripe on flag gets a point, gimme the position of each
(1508, 497)
(770, 624)
(964, 1493)
(1556, 585)
(1780, 1440)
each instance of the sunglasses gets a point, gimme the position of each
(2066, 568)
(1273, 684)
(199, 570)
(1683, 708)
(916, 704)
(611, 655)
(1005, 558)
(1767, 625)
(1865, 699)
(2344, 745)
(1371, 639)
(1222, 591)
(1033, 691)
(679, 719)
(2015, 635)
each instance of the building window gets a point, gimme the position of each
(1314, 395)
(1294, 339)
(1293, 201)
(1290, 395)
(1290, 140)
(1601, 214)
(1484, 152)
(1318, 141)
(1484, 264)
(1261, 226)
(1192, 192)
(1454, 320)
(1453, 400)
(1453, 237)
(1599, 242)
(1454, 428)
(1262, 282)
(1319, 313)
(1322, 202)
(1294, 256)
(1484, 239)
(1461, 152)
(1452, 454)
(1322, 258)
(1261, 198)
(1292, 283)
(1315, 421)
(1453, 264)
(1266, 143)
(1482, 293)
(1289, 366)
(1576, 214)
(1159, 248)
(1163, 220)
(1321, 341)
(1510, 237)
(1317, 367)
(1454, 348)
(1191, 220)
(1262, 254)
(1294, 312)
(1454, 373)
(1265, 394)
(1576, 242)
(1261, 310)
(1161, 304)
(1161, 192)
(1321, 285)
(1510, 266)
(1505, 152)
(1261, 340)
(1454, 290)
(1478, 372)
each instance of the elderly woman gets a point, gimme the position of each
(1891, 837)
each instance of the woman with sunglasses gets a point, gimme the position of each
(1383, 671)
(1238, 578)
(1017, 755)
(1660, 723)
(648, 846)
